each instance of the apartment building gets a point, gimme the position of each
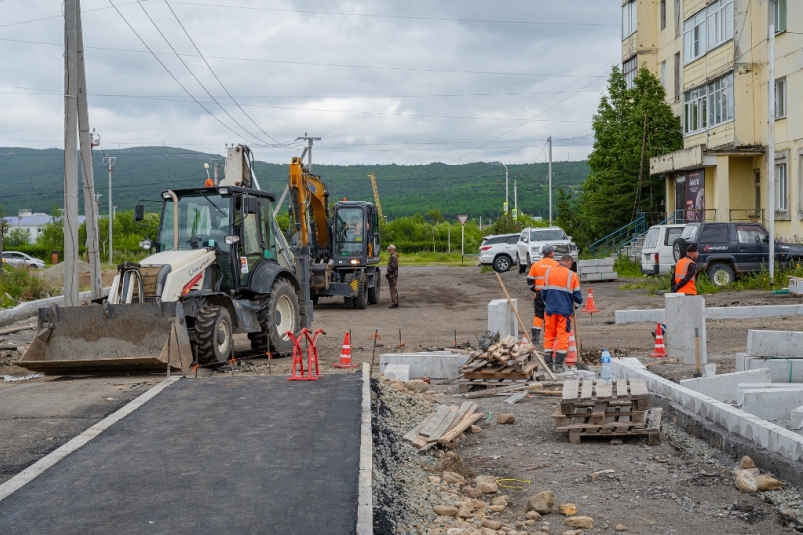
(713, 58)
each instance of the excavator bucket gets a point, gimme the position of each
(139, 337)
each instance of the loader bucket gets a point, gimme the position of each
(139, 337)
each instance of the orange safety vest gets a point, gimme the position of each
(538, 271)
(681, 270)
(563, 280)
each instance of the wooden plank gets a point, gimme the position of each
(420, 442)
(598, 414)
(587, 389)
(604, 390)
(654, 417)
(570, 389)
(494, 391)
(638, 387)
(621, 388)
(17, 329)
(415, 431)
(512, 400)
(445, 424)
(440, 414)
(464, 424)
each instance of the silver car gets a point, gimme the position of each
(16, 258)
(499, 251)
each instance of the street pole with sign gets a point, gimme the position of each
(462, 219)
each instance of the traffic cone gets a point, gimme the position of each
(345, 354)
(571, 358)
(660, 349)
(591, 307)
(524, 340)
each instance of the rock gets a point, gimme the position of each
(746, 462)
(572, 532)
(499, 500)
(746, 482)
(456, 531)
(529, 522)
(545, 528)
(485, 479)
(416, 385)
(497, 508)
(754, 471)
(491, 524)
(471, 492)
(542, 502)
(488, 531)
(583, 522)
(479, 505)
(464, 512)
(474, 428)
(487, 488)
(445, 510)
(766, 483)
(567, 509)
(506, 418)
(453, 478)
(535, 387)
(620, 527)
(432, 479)
(531, 515)
(398, 385)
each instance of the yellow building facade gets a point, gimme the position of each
(712, 56)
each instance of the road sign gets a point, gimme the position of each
(462, 219)
(504, 208)
(515, 214)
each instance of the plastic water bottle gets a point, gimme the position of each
(607, 373)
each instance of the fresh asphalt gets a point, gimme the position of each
(216, 455)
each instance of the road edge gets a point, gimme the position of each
(365, 502)
(32, 472)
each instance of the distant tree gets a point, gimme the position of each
(435, 216)
(15, 237)
(52, 235)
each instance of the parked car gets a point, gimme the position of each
(15, 258)
(528, 247)
(656, 253)
(499, 251)
(728, 249)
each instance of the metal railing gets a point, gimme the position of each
(747, 214)
(695, 215)
(613, 241)
(668, 221)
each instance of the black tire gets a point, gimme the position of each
(213, 335)
(284, 315)
(522, 266)
(502, 263)
(373, 293)
(679, 248)
(349, 302)
(361, 299)
(721, 275)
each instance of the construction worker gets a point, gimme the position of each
(535, 280)
(685, 271)
(560, 293)
(392, 274)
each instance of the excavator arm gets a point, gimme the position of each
(310, 201)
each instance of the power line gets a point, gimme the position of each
(61, 17)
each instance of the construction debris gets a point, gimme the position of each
(506, 363)
(443, 426)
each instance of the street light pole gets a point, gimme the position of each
(507, 194)
(109, 161)
(550, 180)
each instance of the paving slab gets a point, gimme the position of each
(724, 387)
(784, 344)
(781, 370)
(742, 387)
(771, 403)
(218, 455)
(435, 364)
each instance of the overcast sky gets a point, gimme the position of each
(379, 81)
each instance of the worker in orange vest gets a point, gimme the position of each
(535, 280)
(685, 271)
(560, 293)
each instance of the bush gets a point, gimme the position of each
(21, 284)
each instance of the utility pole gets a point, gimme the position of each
(308, 150)
(549, 139)
(770, 157)
(109, 162)
(70, 153)
(515, 195)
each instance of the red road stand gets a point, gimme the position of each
(312, 356)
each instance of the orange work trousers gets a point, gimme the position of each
(555, 331)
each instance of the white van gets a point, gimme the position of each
(656, 253)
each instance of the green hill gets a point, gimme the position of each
(33, 178)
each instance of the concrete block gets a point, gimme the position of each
(714, 313)
(684, 313)
(596, 262)
(501, 318)
(710, 370)
(796, 418)
(436, 364)
(772, 403)
(739, 357)
(796, 286)
(742, 387)
(650, 315)
(785, 344)
(781, 370)
(725, 387)
(397, 371)
(591, 277)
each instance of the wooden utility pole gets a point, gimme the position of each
(70, 153)
(90, 208)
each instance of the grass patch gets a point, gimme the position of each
(485, 268)
(626, 267)
(650, 283)
(428, 258)
(21, 284)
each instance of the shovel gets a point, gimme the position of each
(580, 364)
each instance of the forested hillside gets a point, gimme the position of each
(33, 178)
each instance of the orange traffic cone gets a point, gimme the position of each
(591, 307)
(571, 358)
(345, 354)
(660, 349)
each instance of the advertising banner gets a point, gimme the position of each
(695, 196)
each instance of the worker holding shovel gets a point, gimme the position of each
(561, 292)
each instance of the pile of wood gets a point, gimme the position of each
(443, 426)
(504, 363)
(507, 348)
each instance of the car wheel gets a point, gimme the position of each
(679, 248)
(522, 266)
(721, 275)
(501, 263)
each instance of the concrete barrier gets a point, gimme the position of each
(725, 387)
(28, 309)
(397, 371)
(796, 418)
(781, 370)
(785, 344)
(436, 365)
(656, 315)
(501, 318)
(742, 387)
(771, 403)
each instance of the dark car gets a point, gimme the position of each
(729, 249)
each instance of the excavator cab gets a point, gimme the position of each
(356, 234)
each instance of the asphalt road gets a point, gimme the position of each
(215, 455)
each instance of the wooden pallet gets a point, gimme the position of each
(467, 385)
(579, 396)
(520, 368)
(619, 426)
(600, 414)
(443, 425)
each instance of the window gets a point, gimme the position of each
(663, 14)
(677, 77)
(694, 111)
(750, 234)
(547, 235)
(677, 19)
(720, 100)
(651, 241)
(720, 22)
(782, 204)
(714, 233)
(780, 98)
(663, 74)
(694, 37)
(629, 71)
(513, 240)
(780, 16)
(628, 18)
(672, 233)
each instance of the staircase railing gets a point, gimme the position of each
(607, 244)
(668, 221)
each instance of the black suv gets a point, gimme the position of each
(727, 249)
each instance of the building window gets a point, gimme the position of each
(629, 18)
(782, 204)
(663, 74)
(780, 98)
(720, 100)
(677, 18)
(780, 16)
(694, 37)
(677, 77)
(663, 14)
(695, 113)
(629, 72)
(720, 22)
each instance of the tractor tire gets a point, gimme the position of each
(361, 299)
(213, 335)
(284, 314)
(679, 248)
(373, 293)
